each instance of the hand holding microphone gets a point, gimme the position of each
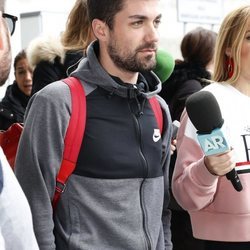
(220, 164)
(204, 112)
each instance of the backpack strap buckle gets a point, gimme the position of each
(60, 187)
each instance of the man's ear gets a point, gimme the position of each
(228, 52)
(99, 29)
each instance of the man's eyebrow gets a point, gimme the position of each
(141, 17)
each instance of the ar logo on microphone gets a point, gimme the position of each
(213, 143)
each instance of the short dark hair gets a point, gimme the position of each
(21, 55)
(105, 10)
(198, 46)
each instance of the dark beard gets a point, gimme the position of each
(130, 62)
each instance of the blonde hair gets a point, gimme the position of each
(77, 34)
(231, 35)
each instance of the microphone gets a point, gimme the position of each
(175, 127)
(204, 112)
(164, 65)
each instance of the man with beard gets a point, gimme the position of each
(16, 229)
(117, 196)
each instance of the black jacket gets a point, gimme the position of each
(47, 72)
(12, 107)
(185, 80)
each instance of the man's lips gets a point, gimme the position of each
(148, 50)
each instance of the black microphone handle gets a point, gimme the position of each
(235, 180)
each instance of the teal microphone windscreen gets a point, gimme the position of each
(164, 65)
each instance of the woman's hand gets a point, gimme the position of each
(220, 164)
(173, 146)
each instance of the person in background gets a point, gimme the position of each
(16, 228)
(14, 103)
(189, 76)
(193, 72)
(55, 58)
(118, 194)
(219, 214)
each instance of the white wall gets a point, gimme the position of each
(171, 30)
(16, 7)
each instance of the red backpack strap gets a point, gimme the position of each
(74, 135)
(157, 111)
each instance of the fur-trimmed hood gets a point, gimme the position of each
(51, 61)
(45, 49)
(187, 71)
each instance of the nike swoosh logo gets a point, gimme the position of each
(156, 135)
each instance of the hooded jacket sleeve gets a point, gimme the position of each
(193, 185)
(39, 155)
(166, 140)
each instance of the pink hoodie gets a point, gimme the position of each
(217, 211)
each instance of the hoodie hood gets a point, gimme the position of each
(91, 72)
(45, 49)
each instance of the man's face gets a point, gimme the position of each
(5, 51)
(133, 41)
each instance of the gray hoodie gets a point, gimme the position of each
(117, 197)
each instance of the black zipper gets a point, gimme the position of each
(145, 165)
(138, 132)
